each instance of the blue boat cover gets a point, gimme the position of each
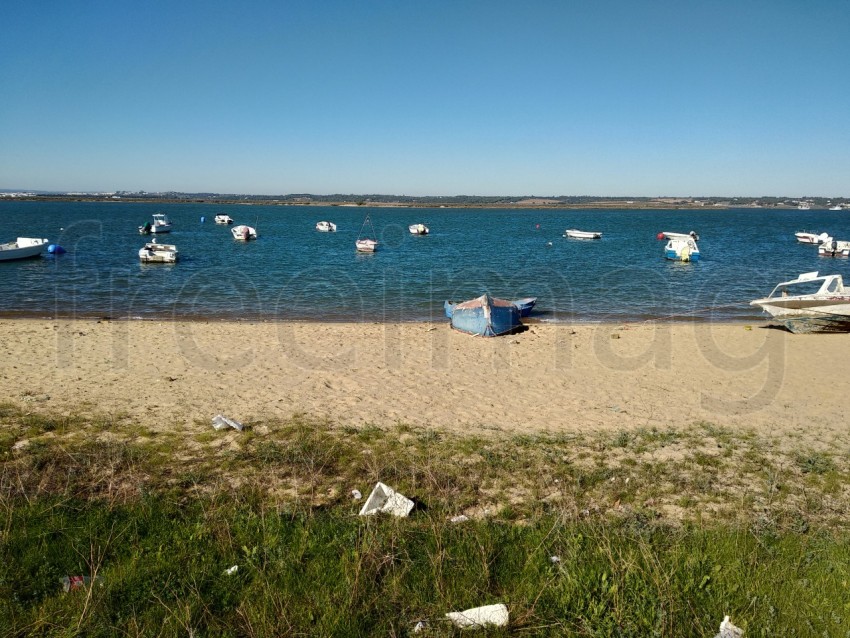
(486, 316)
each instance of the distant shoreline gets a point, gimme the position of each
(529, 203)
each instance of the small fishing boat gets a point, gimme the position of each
(418, 229)
(524, 306)
(326, 227)
(223, 219)
(664, 234)
(573, 233)
(834, 248)
(22, 248)
(485, 316)
(836, 207)
(153, 253)
(366, 245)
(160, 224)
(678, 249)
(243, 232)
(809, 303)
(811, 238)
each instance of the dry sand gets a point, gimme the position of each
(546, 379)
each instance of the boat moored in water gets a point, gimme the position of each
(160, 224)
(809, 303)
(326, 227)
(834, 248)
(418, 229)
(811, 238)
(366, 244)
(243, 232)
(679, 249)
(22, 248)
(664, 234)
(153, 253)
(573, 233)
(223, 219)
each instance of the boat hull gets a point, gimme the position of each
(15, 250)
(243, 233)
(366, 245)
(582, 234)
(486, 317)
(523, 305)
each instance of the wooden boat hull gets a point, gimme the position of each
(486, 317)
(523, 305)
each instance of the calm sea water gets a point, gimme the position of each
(294, 272)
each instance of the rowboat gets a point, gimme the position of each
(486, 316)
(153, 253)
(572, 233)
(524, 306)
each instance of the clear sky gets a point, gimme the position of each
(490, 97)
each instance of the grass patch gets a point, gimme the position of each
(659, 532)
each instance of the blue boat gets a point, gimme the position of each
(485, 316)
(524, 306)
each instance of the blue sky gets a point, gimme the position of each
(427, 98)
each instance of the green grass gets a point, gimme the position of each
(660, 532)
(324, 573)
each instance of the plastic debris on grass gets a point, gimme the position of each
(385, 499)
(231, 570)
(220, 422)
(728, 630)
(460, 518)
(489, 615)
(78, 582)
(356, 495)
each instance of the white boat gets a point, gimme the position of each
(680, 249)
(418, 229)
(572, 233)
(366, 244)
(243, 232)
(326, 227)
(160, 224)
(834, 248)
(223, 219)
(668, 235)
(804, 206)
(810, 303)
(811, 238)
(153, 253)
(836, 207)
(22, 248)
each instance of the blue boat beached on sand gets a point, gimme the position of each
(524, 306)
(485, 316)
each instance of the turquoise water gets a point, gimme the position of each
(294, 272)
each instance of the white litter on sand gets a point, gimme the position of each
(220, 422)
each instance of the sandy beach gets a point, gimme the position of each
(550, 378)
